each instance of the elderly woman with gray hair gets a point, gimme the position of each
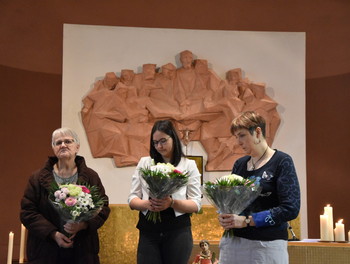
(46, 241)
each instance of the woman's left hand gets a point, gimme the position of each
(74, 227)
(160, 204)
(228, 221)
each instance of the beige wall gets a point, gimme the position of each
(261, 55)
(31, 37)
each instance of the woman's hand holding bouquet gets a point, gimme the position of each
(231, 194)
(162, 180)
(76, 204)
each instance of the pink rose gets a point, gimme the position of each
(70, 201)
(177, 171)
(65, 190)
(84, 189)
(62, 196)
(57, 194)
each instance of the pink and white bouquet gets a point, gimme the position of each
(231, 194)
(162, 180)
(76, 202)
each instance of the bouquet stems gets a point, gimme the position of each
(228, 233)
(153, 216)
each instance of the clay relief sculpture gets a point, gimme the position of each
(118, 113)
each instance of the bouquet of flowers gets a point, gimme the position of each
(231, 194)
(162, 179)
(76, 202)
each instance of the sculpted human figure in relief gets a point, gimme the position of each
(185, 79)
(165, 79)
(127, 76)
(162, 103)
(118, 111)
(169, 71)
(146, 80)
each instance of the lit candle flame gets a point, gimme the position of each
(340, 221)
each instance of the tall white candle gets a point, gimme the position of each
(324, 230)
(21, 245)
(339, 232)
(328, 210)
(10, 248)
(349, 235)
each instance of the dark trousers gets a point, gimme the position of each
(172, 247)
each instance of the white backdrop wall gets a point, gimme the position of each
(275, 58)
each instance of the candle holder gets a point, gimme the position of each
(294, 238)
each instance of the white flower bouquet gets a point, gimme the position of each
(162, 180)
(231, 194)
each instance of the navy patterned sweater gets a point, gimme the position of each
(278, 202)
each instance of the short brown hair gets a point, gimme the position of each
(249, 120)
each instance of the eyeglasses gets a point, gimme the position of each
(161, 141)
(67, 142)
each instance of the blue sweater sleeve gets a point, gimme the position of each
(288, 193)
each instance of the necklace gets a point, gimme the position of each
(253, 165)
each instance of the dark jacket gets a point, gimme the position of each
(41, 219)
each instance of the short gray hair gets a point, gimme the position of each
(65, 131)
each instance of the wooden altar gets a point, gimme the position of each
(315, 252)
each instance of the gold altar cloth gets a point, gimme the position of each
(119, 236)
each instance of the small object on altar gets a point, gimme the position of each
(206, 256)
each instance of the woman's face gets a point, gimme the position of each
(163, 144)
(245, 140)
(65, 147)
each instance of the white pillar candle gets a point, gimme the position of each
(21, 245)
(349, 235)
(10, 248)
(339, 232)
(324, 230)
(328, 210)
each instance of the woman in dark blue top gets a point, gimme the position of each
(260, 232)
